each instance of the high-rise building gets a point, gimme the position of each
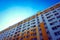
(44, 25)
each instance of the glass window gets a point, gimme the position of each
(49, 16)
(57, 33)
(34, 34)
(51, 19)
(54, 11)
(55, 27)
(58, 16)
(58, 39)
(52, 23)
(34, 39)
(33, 26)
(15, 32)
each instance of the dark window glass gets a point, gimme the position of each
(27, 32)
(28, 25)
(58, 26)
(15, 32)
(48, 32)
(14, 35)
(34, 34)
(57, 33)
(58, 39)
(58, 16)
(28, 28)
(55, 27)
(23, 30)
(40, 34)
(50, 38)
(51, 19)
(21, 39)
(59, 20)
(53, 23)
(46, 27)
(27, 36)
(34, 26)
(49, 16)
(54, 11)
(34, 30)
(34, 39)
(33, 23)
(39, 29)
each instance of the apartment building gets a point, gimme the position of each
(44, 25)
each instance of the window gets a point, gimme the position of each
(24, 29)
(57, 33)
(58, 39)
(8, 36)
(34, 39)
(14, 35)
(28, 28)
(11, 35)
(56, 13)
(58, 26)
(46, 27)
(33, 23)
(55, 27)
(51, 19)
(49, 16)
(33, 26)
(34, 34)
(50, 38)
(58, 16)
(59, 20)
(18, 34)
(34, 30)
(53, 23)
(27, 36)
(28, 25)
(48, 32)
(27, 32)
(18, 31)
(20, 25)
(40, 34)
(21, 39)
(23, 26)
(44, 23)
(44, 20)
(15, 32)
(39, 29)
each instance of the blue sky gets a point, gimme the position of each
(13, 11)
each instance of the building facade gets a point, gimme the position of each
(44, 25)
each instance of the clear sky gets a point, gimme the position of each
(14, 11)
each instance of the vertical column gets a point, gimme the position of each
(44, 34)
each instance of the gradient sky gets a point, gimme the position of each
(13, 11)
